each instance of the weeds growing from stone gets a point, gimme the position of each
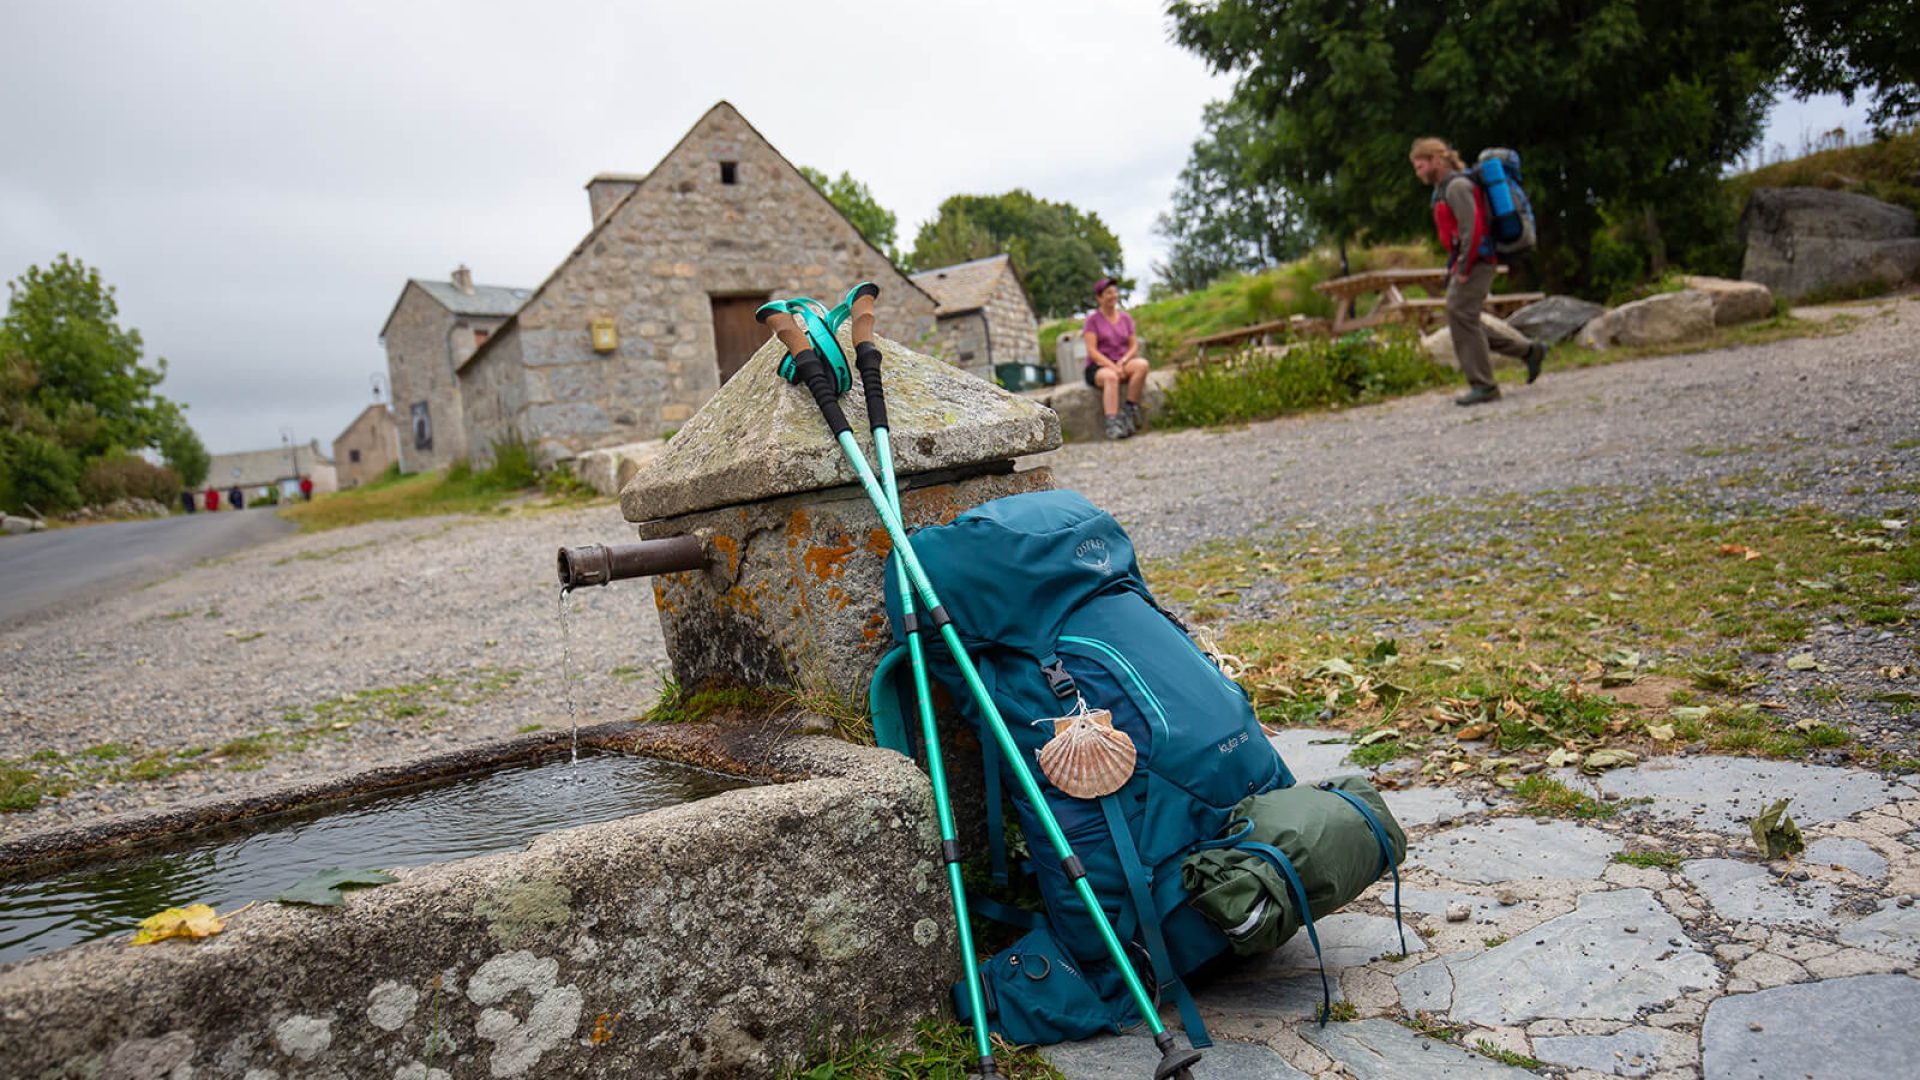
(937, 1050)
(1650, 860)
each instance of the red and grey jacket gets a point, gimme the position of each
(1479, 245)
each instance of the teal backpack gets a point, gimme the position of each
(1051, 605)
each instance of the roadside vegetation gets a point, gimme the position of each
(512, 480)
(1583, 629)
(51, 774)
(938, 1050)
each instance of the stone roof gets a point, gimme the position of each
(761, 437)
(487, 301)
(964, 286)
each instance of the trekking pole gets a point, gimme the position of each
(807, 367)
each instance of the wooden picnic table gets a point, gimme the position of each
(1265, 333)
(1394, 304)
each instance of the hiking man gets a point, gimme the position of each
(306, 488)
(1461, 216)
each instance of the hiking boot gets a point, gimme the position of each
(1536, 358)
(1117, 427)
(1131, 410)
(1479, 395)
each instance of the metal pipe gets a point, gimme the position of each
(599, 564)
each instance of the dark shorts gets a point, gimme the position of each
(1090, 380)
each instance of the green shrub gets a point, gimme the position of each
(37, 472)
(1255, 385)
(513, 465)
(125, 476)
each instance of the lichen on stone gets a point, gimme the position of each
(523, 911)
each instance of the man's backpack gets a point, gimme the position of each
(1050, 603)
(1510, 222)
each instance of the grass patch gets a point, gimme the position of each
(1504, 1057)
(936, 1050)
(1357, 368)
(1884, 169)
(458, 489)
(1474, 655)
(678, 705)
(1545, 795)
(22, 789)
(1649, 860)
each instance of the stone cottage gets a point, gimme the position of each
(365, 449)
(983, 319)
(653, 309)
(253, 471)
(433, 328)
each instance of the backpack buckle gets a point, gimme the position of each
(1058, 680)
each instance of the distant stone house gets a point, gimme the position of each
(253, 471)
(365, 449)
(984, 318)
(653, 309)
(433, 328)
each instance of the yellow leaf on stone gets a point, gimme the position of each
(1461, 766)
(1474, 731)
(193, 922)
(1661, 732)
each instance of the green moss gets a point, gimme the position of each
(1545, 795)
(1651, 860)
(524, 911)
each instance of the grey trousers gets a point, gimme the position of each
(1471, 337)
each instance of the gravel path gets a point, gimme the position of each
(232, 648)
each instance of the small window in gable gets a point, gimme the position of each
(353, 456)
(729, 172)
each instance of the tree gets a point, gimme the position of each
(182, 450)
(75, 389)
(1614, 105)
(1850, 46)
(852, 198)
(1058, 249)
(1226, 216)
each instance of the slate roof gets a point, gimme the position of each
(487, 301)
(962, 287)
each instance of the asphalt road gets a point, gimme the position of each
(73, 566)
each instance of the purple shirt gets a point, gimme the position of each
(1111, 337)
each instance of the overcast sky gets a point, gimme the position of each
(258, 180)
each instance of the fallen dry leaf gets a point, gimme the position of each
(193, 922)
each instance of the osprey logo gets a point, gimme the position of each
(1232, 744)
(1093, 552)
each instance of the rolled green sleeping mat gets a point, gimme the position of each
(1330, 844)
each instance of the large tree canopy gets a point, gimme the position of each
(852, 198)
(1617, 107)
(1850, 47)
(1058, 249)
(75, 389)
(1226, 215)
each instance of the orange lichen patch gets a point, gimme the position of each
(838, 597)
(879, 543)
(798, 526)
(827, 562)
(728, 546)
(875, 627)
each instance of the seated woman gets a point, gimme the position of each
(1113, 359)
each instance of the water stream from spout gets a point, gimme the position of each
(566, 674)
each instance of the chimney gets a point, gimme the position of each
(463, 279)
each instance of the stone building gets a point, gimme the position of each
(253, 471)
(433, 328)
(983, 319)
(653, 310)
(365, 449)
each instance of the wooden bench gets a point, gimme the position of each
(1259, 334)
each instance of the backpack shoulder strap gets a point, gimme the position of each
(1140, 891)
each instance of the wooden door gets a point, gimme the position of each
(736, 334)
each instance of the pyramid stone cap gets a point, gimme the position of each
(761, 437)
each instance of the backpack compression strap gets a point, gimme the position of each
(1386, 853)
(1140, 886)
(1299, 890)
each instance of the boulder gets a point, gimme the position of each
(14, 526)
(1656, 320)
(1806, 241)
(609, 468)
(1555, 319)
(1733, 301)
(1082, 419)
(1440, 343)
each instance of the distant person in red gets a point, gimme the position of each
(213, 499)
(306, 488)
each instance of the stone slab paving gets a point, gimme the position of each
(1749, 892)
(1859, 1027)
(1619, 954)
(1722, 794)
(1515, 850)
(1130, 1057)
(1384, 1050)
(1634, 1052)
(1724, 967)
(1314, 754)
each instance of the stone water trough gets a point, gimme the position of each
(723, 937)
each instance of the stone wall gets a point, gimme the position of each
(493, 389)
(1015, 334)
(372, 437)
(962, 342)
(723, 937)
(425, 344)
(654, 267)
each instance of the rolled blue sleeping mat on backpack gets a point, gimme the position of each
(1327, 849)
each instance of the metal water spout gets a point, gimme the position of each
(601, 564)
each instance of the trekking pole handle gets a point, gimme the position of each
(866, 355)
(787, 329)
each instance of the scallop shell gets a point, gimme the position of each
(1087, 758)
